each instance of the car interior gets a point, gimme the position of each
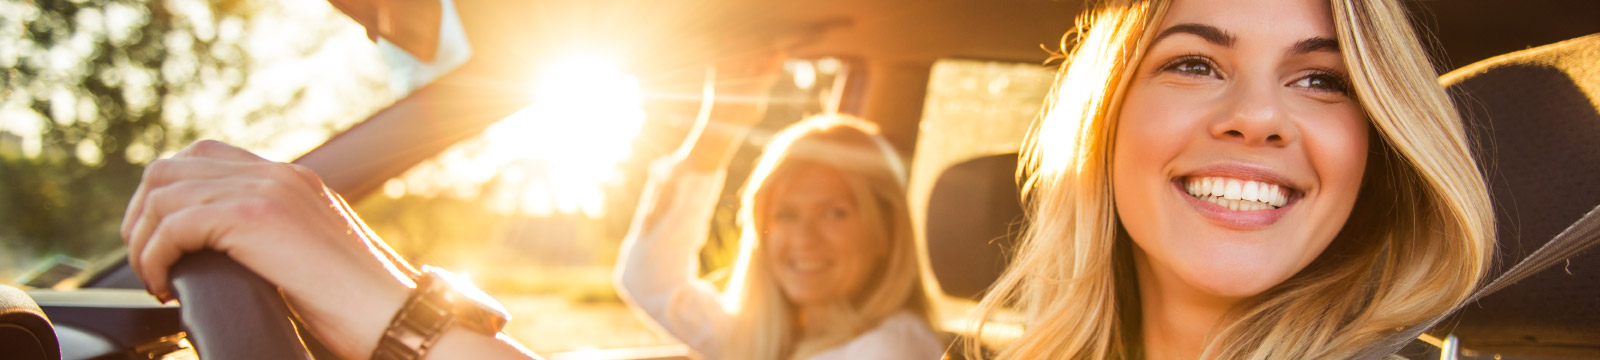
(955, 85)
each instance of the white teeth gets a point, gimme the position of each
(1236, 194)
(1233, 189)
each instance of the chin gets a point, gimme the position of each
(1235, 285)
(1234, 271)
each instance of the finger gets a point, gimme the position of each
(176, 197)
(181, 232)
(164, 172)
(161, 173)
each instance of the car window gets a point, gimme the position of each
(93, 91)
(533, 210)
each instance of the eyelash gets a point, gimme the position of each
(1338, 82)
(1190, 59)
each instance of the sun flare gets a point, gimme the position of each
(558, 153)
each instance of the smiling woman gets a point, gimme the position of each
(1243, 179)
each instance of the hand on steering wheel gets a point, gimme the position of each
(279, 221)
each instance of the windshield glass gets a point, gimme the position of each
(534, 209)
(93, 91)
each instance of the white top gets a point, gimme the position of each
(658, 265)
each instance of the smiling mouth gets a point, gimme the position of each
(809, 266)
(1238, 194)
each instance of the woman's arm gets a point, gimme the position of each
(657, 270)
(279, 221)
(738, 89)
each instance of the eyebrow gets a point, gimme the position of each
(1210, 33)
(1314, 44)
(1215, 35)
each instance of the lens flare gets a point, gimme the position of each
(561, 150)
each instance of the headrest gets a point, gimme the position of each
(1534, 119)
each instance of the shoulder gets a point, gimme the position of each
(904, 324)
(899, 336)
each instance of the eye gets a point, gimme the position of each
(838, 213)
(1323, 80)
(785, 215)
(1192, 65)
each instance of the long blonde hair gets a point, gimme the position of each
(1417, 243)
(764, 324)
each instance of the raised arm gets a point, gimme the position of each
(657, 271)
(738, 90)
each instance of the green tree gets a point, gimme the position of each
(113, 84)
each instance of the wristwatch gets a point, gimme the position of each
(440, 300)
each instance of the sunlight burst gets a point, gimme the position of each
(562, 149)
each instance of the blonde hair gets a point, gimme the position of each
(763, 326)
(1417, 243)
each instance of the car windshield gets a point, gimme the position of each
(534, 210)
(94, 91)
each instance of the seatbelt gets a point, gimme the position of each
(1576, 238)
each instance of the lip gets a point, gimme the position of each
(1239, 220)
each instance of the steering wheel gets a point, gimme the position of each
(230, 312)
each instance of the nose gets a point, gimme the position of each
(808, 233)
(1255, 116)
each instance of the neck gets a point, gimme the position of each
(810, 320)
(1177, 318)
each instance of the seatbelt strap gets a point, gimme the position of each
(1576, 238)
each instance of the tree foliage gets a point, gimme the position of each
(113, 84)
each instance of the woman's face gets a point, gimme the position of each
(1239, 149)
(816, 240)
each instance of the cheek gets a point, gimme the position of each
(1150, 135)
(849, 239)
(851, 243)
(773, 241)
(1338, 152)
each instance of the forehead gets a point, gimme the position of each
(810, 183)
(1249, 20)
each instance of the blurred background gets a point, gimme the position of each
(93, 90)
(532, 209)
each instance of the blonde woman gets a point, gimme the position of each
(1242, 179)
(826, 267)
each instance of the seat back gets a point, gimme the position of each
(962, 192)
(974, 217)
